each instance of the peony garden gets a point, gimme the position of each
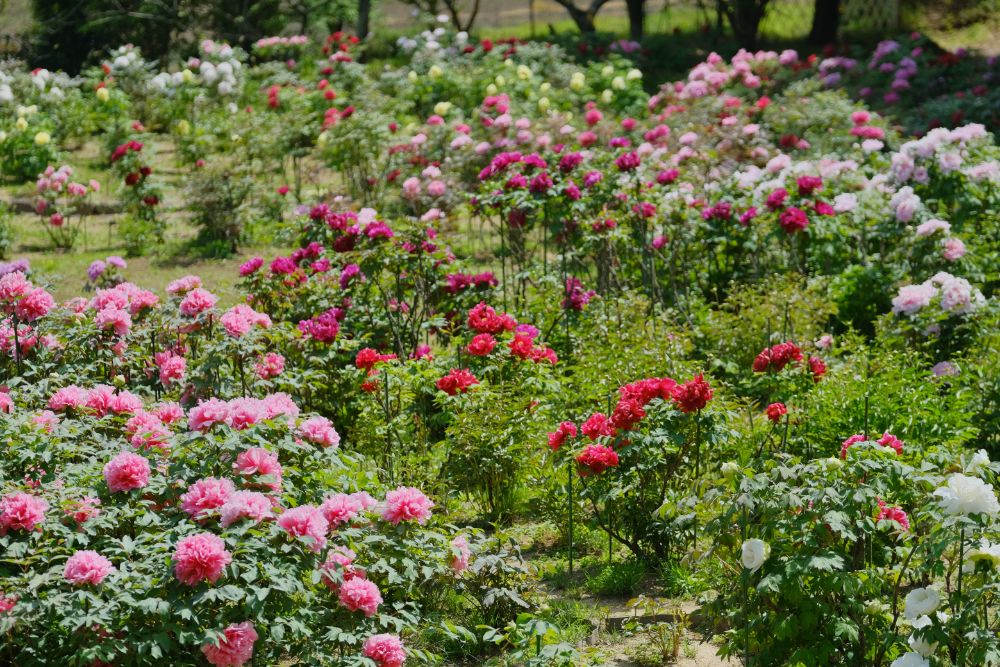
(500, 352)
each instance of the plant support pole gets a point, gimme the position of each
(569, 477)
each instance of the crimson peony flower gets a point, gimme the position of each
(457, 381)
(775, 411)
(595, 459)
(693, 395)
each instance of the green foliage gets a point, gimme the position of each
(618, 579)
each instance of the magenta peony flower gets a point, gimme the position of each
(306, 521)
(361, 594)
(87, 567)
(406, 504)
(235, 648)
(200, 557)
(126, 472)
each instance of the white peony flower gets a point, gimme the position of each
(967, 495)
(755, 552)
(921, 646)
(986, 551)
(910, 660)
(978, 461)
(920, 601)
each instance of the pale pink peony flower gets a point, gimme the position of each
(245, 505)
(385, 650)
(197, 301)
(406, 504)
(306, 521)
(87, 567)
(320, 431)
(911, 298)
(928, 227)
(952, 249)
(359, 594)
(126, 472)
(235, 648)
(205, 495)
(200, 557)
(21, 511)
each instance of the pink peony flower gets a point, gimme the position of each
(200, 557)
(172, 367)
(126, 472)
(235, 648)
(269, 366)
(34, 305)
(341, 508)
(887, 513)
(71, 397)
(258, 462)
(306, 521)
(460, 554)
(208, 413)
(115, 319)
(21, 511)
(407, 503)
(183, 285)
(206, 494)
(83, 510)
(339, 567)
(361, 594)
(87, 567)
(320, 431)
(385, 650)
(197, 301)
(242, 413)
(245, 505)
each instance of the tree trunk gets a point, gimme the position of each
(583, 20)
(744, 18)
(636, 18)
(826, 22)
(364, 15)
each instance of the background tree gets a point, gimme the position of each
(636, 18)
(584, 18)
(826, 22)
(744, 18)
